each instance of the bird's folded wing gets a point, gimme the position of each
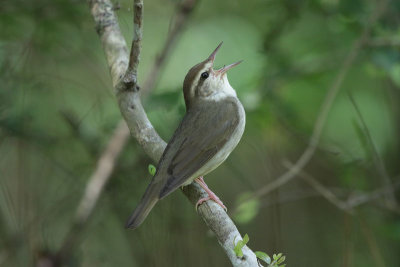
(196, 141)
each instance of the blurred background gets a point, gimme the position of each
(58, 112)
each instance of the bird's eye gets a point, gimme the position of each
(204, 75)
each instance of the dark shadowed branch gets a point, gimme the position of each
(377, 159)
(326, 106)
(355, 199)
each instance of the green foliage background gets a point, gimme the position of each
(57, 112)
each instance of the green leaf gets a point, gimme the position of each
(152, 169)
(247, 209)
(240, 244)
(238, 249)
(246, 239)
(263, 256)
(282, 259)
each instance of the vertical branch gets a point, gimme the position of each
(113, 42)
(136, 47)
(348, 246)
(372, 244)
(130, 79)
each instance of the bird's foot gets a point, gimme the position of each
(211, 195)
(214, 198)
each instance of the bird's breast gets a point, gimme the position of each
(234, 139)
(228, 147)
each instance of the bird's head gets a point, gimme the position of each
(202, 82)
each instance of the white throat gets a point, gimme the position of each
(224, 91)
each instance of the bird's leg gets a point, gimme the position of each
(211, 195)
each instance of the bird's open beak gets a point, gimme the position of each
(223, 70)
(212, 56)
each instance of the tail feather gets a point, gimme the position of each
(149, 199)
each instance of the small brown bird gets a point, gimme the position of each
(211, 128)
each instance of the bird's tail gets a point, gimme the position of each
(149, 199)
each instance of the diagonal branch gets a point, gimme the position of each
(325, 107)
(213, 215)
(124, 77)
(353, 201)
(360, 199)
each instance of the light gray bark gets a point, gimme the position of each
(128, 97)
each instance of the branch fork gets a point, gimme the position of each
(124, 76)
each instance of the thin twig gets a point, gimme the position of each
(325, 108)
(120, 137)
(320, 188)
(353, 201)
(379, 42)
(136, 48)
(363, 198)
(377, 159)
(129, 81)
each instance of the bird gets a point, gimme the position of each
(211, 128)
